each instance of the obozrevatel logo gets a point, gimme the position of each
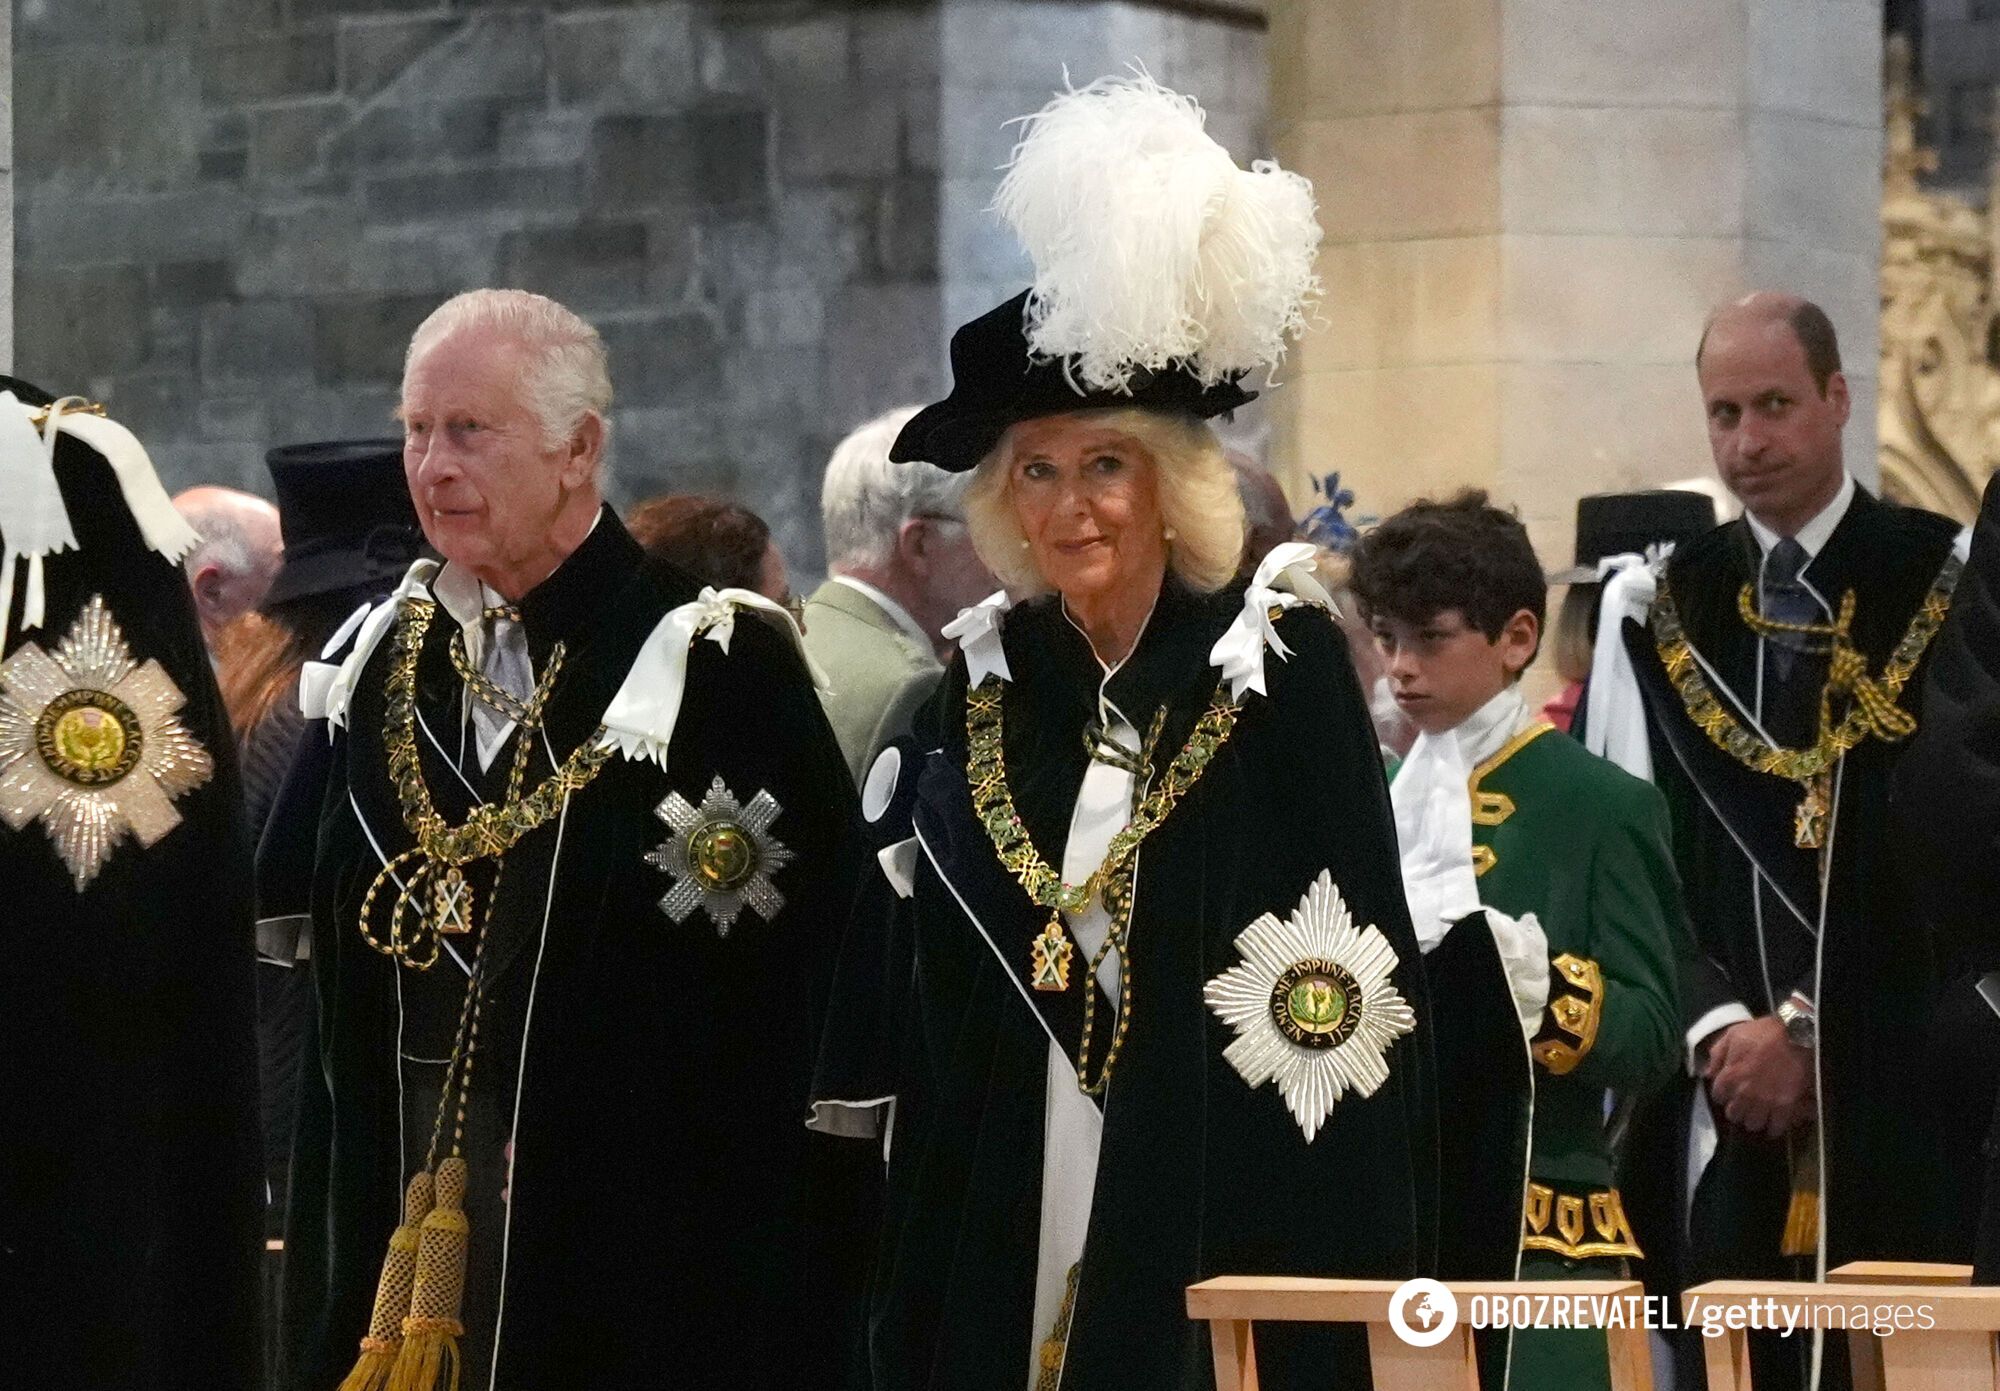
(1423, 1312)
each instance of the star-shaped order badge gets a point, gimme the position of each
(91, 745)
(1312, 1005)
(721, 856)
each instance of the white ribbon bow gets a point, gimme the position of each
(640, 720)
(977, 632)
(333, 695)
(1284, 580)
(1615, 721)
(34, 523)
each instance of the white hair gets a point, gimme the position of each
(569, 372)
(865, 499)
(1199, 501)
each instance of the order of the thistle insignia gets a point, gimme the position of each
(721, 856)
(91, 744)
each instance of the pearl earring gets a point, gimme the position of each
(1172, 535)
(1023, 543)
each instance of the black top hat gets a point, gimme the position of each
(1622, 523)
(346, 515)
(996, 381)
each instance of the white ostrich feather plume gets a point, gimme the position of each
(1149, 244)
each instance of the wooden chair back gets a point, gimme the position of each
(1944, 1343)
(1233, 1305)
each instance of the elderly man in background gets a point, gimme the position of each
(579, 872)
(241, 547)
(902, 567)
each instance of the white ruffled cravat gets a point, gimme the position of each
(1432, 798)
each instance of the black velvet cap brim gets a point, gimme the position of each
(996, 382)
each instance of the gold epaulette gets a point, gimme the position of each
(1570, 1027)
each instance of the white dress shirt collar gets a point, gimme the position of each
(1814, 534)
(898, 615)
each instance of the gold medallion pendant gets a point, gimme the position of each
(1049, 968)
(721, 856)
(91, 744)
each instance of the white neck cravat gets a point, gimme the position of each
(1432, 800)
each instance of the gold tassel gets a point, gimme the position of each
(428, 1360)
(1802, 1216)
(392, 1293)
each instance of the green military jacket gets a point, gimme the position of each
(1585, 847)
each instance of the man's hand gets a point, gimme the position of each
(1761, 1079)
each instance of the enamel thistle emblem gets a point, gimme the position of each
(721, 855)
(91, 746)
(1312, 1005)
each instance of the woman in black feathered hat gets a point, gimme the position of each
(1159, 1011)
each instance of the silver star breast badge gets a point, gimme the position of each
(721, 856)
(91, 744)
(1312, 1005)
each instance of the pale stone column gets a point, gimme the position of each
(1529, 206)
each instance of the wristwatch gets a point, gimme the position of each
(1796, 1013)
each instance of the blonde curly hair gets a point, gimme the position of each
(1199, 502)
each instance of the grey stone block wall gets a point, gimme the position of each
(231, 213)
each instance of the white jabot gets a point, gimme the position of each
(977, 632)
(1432, 797)
(1615, 727)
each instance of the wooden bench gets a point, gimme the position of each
(1955, 1353)
(1234, 1304)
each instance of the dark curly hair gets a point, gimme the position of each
(1462, 553)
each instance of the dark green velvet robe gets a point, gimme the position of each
(1199, 1174)
(672, 1221)
(131, 1202)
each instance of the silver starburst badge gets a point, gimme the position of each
(91, 745)
(1312, 1005)
(722, 856)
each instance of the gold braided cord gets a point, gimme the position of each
(488, 832)
(1874, 709)
(993, 803)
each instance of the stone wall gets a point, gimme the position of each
(232, 212)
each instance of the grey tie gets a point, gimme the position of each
(1784, 598)
(505, 662)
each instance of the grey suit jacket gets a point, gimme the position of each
(878, 674)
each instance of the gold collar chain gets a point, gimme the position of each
(1873, 711)
(993, 803)
(435, 884)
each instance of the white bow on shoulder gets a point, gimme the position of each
(1284, 580)
(977, 632)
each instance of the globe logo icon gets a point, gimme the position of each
(1423, 1312)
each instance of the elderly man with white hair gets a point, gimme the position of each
(241, 545)
(587, 840)
(902, 566)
